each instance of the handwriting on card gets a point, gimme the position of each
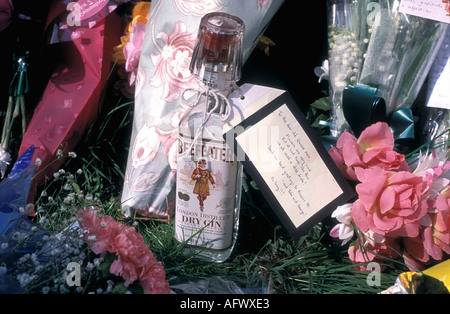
(300, 180)
(429, 9)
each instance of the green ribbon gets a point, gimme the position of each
(402, 124)
(362, 107)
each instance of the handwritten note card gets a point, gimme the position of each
(290, 164)
(298, 177)
(429, 9)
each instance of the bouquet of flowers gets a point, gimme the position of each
(403, 205)
(386, 53)
(102, 254)
(133, 259)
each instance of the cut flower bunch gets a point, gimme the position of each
(403, 207)
(67, 226)
(134, 258)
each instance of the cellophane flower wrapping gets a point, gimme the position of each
(72, 97)
(161, 77)
(438, 95)
(371, 43)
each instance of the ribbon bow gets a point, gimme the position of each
(222, 107)
(362, 107)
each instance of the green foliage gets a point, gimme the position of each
(318, 115)
(313, 264)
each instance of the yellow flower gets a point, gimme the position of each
(139, 15)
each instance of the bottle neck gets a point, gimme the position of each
(218, 82)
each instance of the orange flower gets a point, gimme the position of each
(139, 15)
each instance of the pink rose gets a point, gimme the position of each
(390, 203)
(437, 236)
(373, 148)
(434, 240)
(172, 64)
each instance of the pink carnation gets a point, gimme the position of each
(373, 148)
(134, 260)
(99, 231)
(132, 255)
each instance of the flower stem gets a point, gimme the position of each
(425, 145)
(6, 124)
(22, 110)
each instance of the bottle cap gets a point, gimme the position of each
(217, 57)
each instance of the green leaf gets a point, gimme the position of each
(322, 104)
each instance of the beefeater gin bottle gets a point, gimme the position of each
(208, 186)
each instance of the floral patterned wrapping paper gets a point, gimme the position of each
(162, 76)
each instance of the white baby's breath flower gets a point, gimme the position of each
(72, 155)
(110, 285)
(98, 261)
(90, 266)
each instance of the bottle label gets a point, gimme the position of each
(206, 188)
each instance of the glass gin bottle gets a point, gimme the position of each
(208, 185)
